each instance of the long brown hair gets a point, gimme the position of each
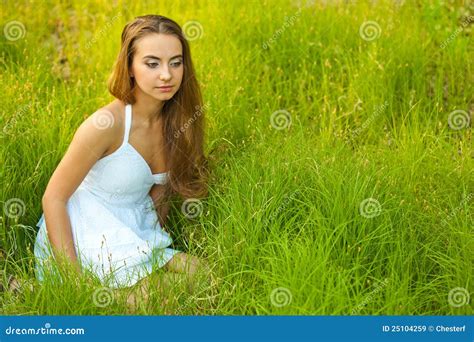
(183, 114)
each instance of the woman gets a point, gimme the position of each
(106, 203)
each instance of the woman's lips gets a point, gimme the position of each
(165, 89)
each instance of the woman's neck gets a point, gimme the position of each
(147, 109)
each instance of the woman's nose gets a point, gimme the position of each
(165, 75)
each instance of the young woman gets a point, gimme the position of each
(105, 205)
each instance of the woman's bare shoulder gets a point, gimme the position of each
(107, 120)
(116, 107)
(103, 128)
(112, 114)
(96, 135)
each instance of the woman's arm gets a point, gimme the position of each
(162, 206)
(90, 142)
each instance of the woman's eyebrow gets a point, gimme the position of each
(158, 58)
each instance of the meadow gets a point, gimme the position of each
(339, 135)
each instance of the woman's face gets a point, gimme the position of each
(158, 62)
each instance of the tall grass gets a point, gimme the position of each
(285, 223)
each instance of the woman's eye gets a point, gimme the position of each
(154, 65)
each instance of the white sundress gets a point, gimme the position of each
(115, 227)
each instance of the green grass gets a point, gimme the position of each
(369, 120)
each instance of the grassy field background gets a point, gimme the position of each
(339, 135)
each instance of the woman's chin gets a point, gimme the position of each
(162, 96)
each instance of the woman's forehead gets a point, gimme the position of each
(163, 46)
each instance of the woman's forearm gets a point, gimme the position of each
(160, 202)
(59, 230)
(162, 209)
